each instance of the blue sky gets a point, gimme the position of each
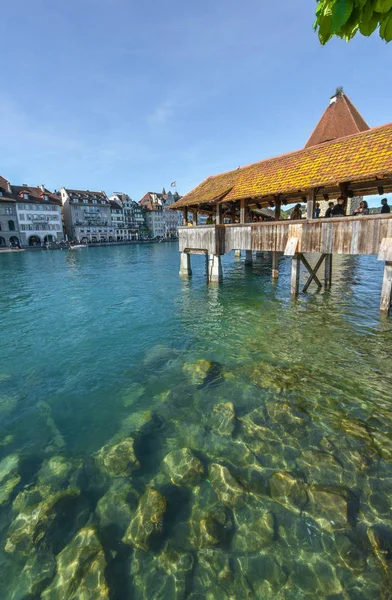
(128, 96)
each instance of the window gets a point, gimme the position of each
(8, 211)
(23, 227)
(46, 197)
(11, 225)
(1, 192)
(95, 202)
(22, 217)
(25, 196)
(85, 200)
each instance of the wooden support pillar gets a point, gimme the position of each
(185, 216)
(214, 269)
(248, 257)
(232, 214)
(219, 219)
(386, 292)
(278, 204)
(195, 217)
(295, 272)
(328, 271)
(310, 204)
(243, 211)
(275, 265)
(185, 264)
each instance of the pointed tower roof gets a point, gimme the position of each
(340, 119)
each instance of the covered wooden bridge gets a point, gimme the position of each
(357, 164)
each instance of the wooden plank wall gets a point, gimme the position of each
(352, 235)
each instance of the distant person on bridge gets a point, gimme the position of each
(385, 208)
(363, 208)
(296, 212)
(328, 212)
(339, 209)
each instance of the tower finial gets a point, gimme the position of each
(339, 91)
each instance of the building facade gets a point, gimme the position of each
(134, 220)
(87, 216)
(118, 220)
(38, 212)
(9, 229)
(160, 220)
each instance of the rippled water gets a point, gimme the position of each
(284, 406)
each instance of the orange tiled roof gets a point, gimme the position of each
(365, 155)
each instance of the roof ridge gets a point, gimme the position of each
(305, 149)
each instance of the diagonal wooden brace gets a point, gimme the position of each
(312, 272)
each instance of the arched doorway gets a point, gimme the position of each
(110, 238)
(14, 241)
(84, 240)
(2, 242)
(103, 239)
(34, 240)
(93, 239)
(48, 239)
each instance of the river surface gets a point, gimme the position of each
(248, 436)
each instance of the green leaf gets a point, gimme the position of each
(324, 31)
(368, 27)
(386, 28)
(362, 3)
(341, 14)
(382, 6)
(351, 27)
(367, 12)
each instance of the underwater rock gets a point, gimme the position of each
(290, 377)
(9, 477)
(80, 570)
(350, 553)
(7, 404)
(116, 507)
(134, 423)
(55, 472)
(32, 524)
(36, 575)
(132, 394)
(7, 439)
(380, 538)
(147, 520)
(286, 414)
(214, 578)
(328, 581)
(328, 507)
(117, 460)
(197, 371)
(229, 491)
(209, 522)
(163, 576)
(26, 498)
(320, 467)
(255, 528)
(56, 442)
(289, 491)
(158, 356)
(383, 444)
(255, 426)
(222, 418)
(183, 467)
(264, 574)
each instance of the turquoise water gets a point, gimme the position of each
(284, 408)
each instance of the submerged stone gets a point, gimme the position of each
(183, 467)
(55, 472)
(255, 528)
(36, 575)
(80, 570)
(7, 404)
(328, 507)
(320, 467)
(116, 507)
(209, 522)
(31, 526)
(117, 460)
(197, 371)
(9, 477)
(132, 394)
(166, 575)
(222, 418)
(229, 491)
(264, 574)
(256, 427)
(147, 520)
(288, 490)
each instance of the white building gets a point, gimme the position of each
(87, 216)
(160, 220)
(38, 213)
(118, 220)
